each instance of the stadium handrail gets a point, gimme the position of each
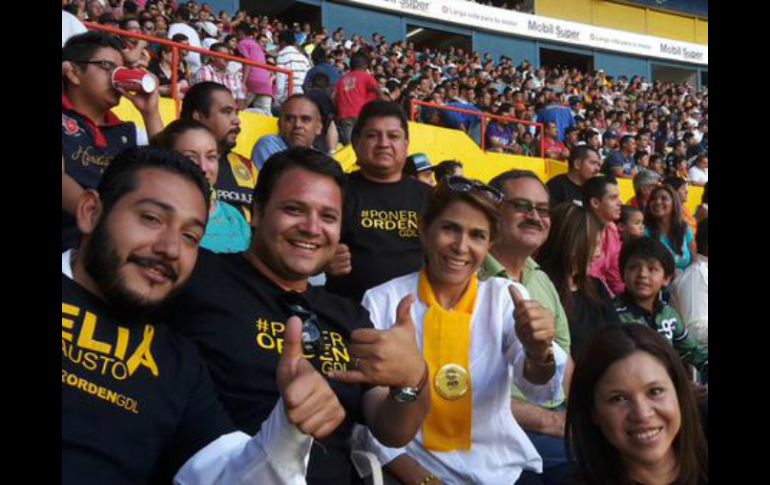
(483, 115)
(175, 46)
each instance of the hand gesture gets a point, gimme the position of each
(386, 357)
(309, 401)
(340, 263)
(534, 325)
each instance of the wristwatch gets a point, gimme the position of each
(405, 395)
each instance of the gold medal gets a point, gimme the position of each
(452, 382)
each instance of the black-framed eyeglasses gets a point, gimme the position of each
(104, 65)
(311, 331)
(462, 184)
(525, 206)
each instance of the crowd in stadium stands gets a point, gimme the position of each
(511, 332)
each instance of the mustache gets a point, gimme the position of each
(531, 223)
(152, 262)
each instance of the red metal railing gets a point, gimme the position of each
(483, 116)
(176, 46)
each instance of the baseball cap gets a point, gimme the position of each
(420, 162)
(610, 135)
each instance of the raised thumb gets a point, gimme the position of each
(403, 311)
(292, 348)
(517, 298)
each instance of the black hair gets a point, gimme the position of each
(580, 152)
(379, 109)
(286, 37)
(596, 188)
(319, 56)
(198, 98)
(359, 60)
(82, 47)
(625, 139)
(445, 168)
(647, 248)
(702, 237)
(625, 213)
(120, 176)
(295, 157)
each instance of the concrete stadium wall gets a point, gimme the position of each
(361, 21)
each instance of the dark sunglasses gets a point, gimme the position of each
(525, 206)
(462, 184)
(311, 331)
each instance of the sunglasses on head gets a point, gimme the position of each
(311, 332)
(462, 184)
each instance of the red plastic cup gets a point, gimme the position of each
(133, 80)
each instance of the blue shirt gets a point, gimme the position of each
(681, 261)
(456, 120)
(558, 114)
(616, 159)
(266, 146)
(327, 69)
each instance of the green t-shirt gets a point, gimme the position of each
(540, 289)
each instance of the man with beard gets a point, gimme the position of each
(299, 124)
(525, 224)
(138, 405)
(235, 304)
(213, 105)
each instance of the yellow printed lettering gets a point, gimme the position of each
(265, 341)
(86, 338)
(341, 354)
(120, 371)
(89, 361)
(122, 343)
(379, 224)
(277, 328)
(142, 355)
(72, 311)
(366, 223)
(336, 339)
(72, 380)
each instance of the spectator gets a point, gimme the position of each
(619, 364)
(571, 138)
(172, 423)
(290, 58)
(663, 221)
(380, 238)
(299, 124)
(644, 181)
(461, 121)
(501, 134)
(584, 163)
(699, 170)
(216, 71)
(657, 165)
(554, 149)
(419, 167)
(678, 153)
(91, 134)
(181, 26)
(648, 268)
(226, 230)
(135, 53)
(297, 209)
(679, 168)
(702, 211)
(572, 244)
(693, 145)
(525, 224)
(213, 105)
(466, 437)
(354, 90)
(447, 168)
(602, 197)
(631, 223)
(161, 68)
(680, 186)
(609, 143)
(321, 65)
(558, 114)
(621, 163)
(690, 291)
(259, 85)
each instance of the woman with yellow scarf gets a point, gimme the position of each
(476, 337)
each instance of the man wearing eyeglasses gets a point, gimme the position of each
(91, 134)
(525, 224)
(235, 307)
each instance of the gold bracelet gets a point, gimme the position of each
(429, 479)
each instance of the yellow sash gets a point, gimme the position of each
(446, 340)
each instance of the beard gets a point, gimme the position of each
(102, 262)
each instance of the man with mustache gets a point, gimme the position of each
(299, 124)
(138, 405)
(525, 225)
(235, 304)
(213, 105)
(380, 239)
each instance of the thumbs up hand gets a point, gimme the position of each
(309, 401)
(386, 357)
(340, 264)
(534, 325)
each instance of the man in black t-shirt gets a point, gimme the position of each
(91, 134)
(235, 304)
(138, 405)
(382, 207)
(213, 105)
(584, 163)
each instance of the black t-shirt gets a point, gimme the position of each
(235, 182)
(562, 189)
(585, 319)
(87, 151)
(236, 317)
(380, 227)
(137, 401)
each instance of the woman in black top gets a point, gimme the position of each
(161, 68)
(571, 247)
